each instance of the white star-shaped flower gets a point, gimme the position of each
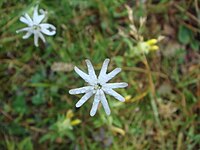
(36, 27)
(98, 86)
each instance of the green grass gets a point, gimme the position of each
(164, 86)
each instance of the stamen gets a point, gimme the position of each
(97, 86)
(36, 27)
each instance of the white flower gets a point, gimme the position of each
(98, 86)
(36, 27)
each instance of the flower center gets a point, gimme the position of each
(97, 86)
(36, 27)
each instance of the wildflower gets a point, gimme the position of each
(36, 27)
(65, 123)
(147, 46)
(144, 47)
(152, 44)
(98, 86)
(135, 32)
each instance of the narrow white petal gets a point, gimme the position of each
(84, 99)
(35, 13)
(23, 29)
(41, 37)
(94, 108)
(114, 94)
(36, 37)
(27, 35)
(36, 17)
(111, 75)
(48, 29)
(104, 68)
(25, 20)
(104, 102)
(95, 104)
(115, 85)
(39, 19)
(28, 19)
(91, 71)
(81, 90)
(82, 74)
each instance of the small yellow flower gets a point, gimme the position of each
(152, 41)
(148, 46)
(69, 116)
(152, 44)
(75, 122)
(128, 98)
(144, 47)
(66, 122)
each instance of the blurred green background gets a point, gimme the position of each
(162, 100)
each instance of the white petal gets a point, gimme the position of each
(91, 70)
(24, 29)
(28, 18)
(41, 37)
(104, 102)
(27, 35)
(81, 90)
(115, 85)
(111, 75)
(95, 104)
(36, 36)
(114, 94)
(25, 20)
(48, 29)
(104, 69)
(84, 99)
(37, 18)
(35, 13)
(82, 74)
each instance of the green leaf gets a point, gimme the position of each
(39, 97)
(25, 144)
(45, 137)
(184, 35)
(16, 129)
(19, 105)
(117, 122)
(70, 135)
(195, 45)
(118, 60)
(37, 77)
(180, 53)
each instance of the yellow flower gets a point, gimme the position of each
(144, 47)
(69, 116)
(128, 98)
(152, 44)
(147, 46)
(66, 122)
(75, 122)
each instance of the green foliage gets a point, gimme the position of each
(25, 144)
(184, 35)
(60, 129)
(19, 104)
